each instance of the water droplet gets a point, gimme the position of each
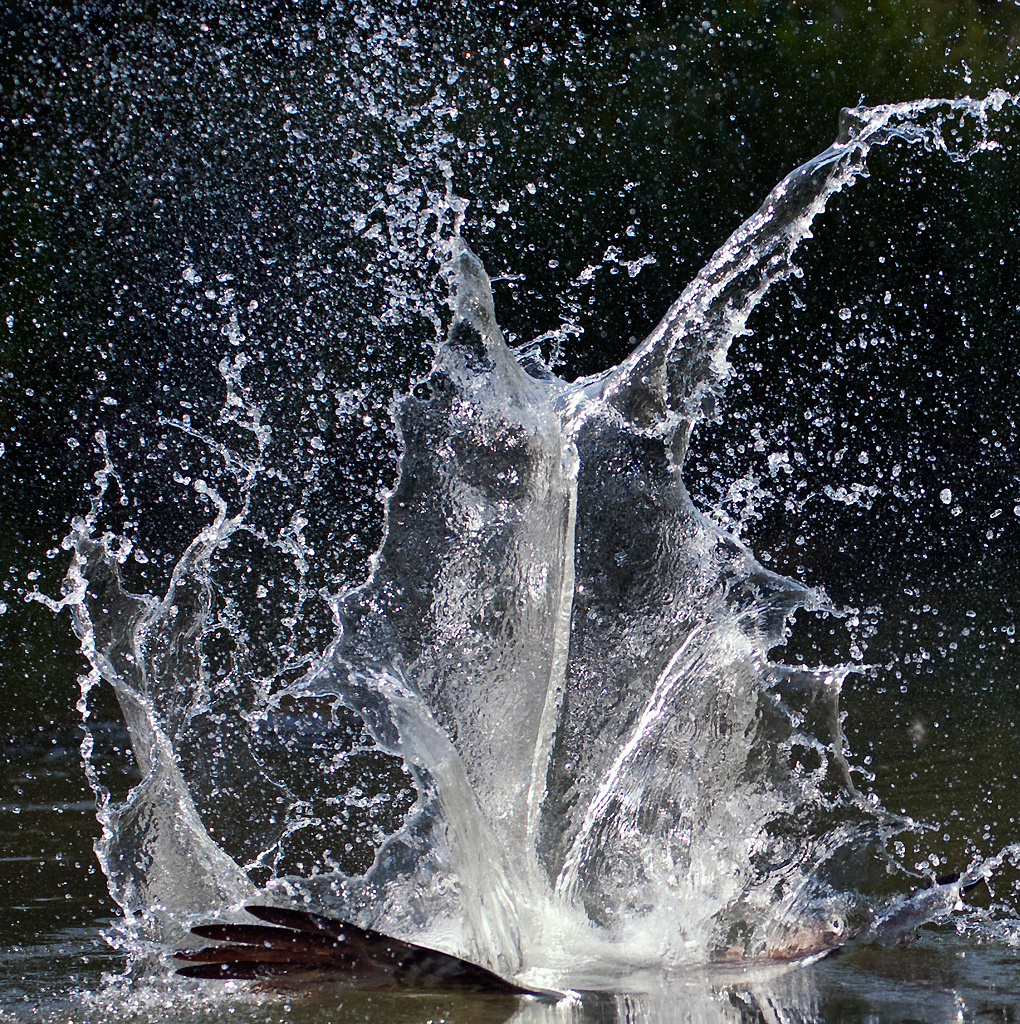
(844, 313)
(946, 495)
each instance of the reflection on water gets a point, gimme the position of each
(49, 879)
(53, 975)
(939, 981)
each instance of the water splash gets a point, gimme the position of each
(566, 661)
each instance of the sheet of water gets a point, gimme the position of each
(556, 685)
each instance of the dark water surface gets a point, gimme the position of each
(185, 186)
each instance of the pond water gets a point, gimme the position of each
(599, 726)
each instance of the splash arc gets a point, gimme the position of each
(571, 661)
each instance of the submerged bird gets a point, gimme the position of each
(298, 947)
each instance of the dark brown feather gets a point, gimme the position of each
(303, 921)
(300, 945)
(260, 935)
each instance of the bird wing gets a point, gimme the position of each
(305, 946)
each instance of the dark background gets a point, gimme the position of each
(139, 139)
(145, 146)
